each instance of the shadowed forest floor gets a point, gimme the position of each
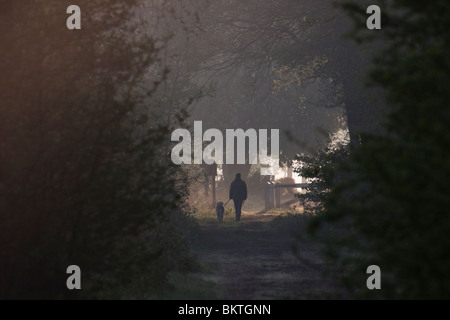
(254, 259)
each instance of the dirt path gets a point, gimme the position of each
(254, 259)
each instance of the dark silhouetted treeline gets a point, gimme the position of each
(387, 201)
(82, 179)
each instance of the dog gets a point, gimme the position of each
(219, 211)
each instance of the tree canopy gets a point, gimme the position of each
(82, 176)
(388, 204)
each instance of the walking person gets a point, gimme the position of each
(238, 192)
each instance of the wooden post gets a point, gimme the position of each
(272, 196)
(213, 183)
(277, 196)
(267, 189)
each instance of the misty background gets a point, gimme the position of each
(86, 118)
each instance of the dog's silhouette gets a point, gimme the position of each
(219, 211)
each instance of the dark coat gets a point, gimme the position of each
(238, 190)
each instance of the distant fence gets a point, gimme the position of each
(272, 193)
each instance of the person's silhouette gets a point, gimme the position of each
(238, 192)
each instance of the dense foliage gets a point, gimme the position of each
(388, 203)
(82, 179)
